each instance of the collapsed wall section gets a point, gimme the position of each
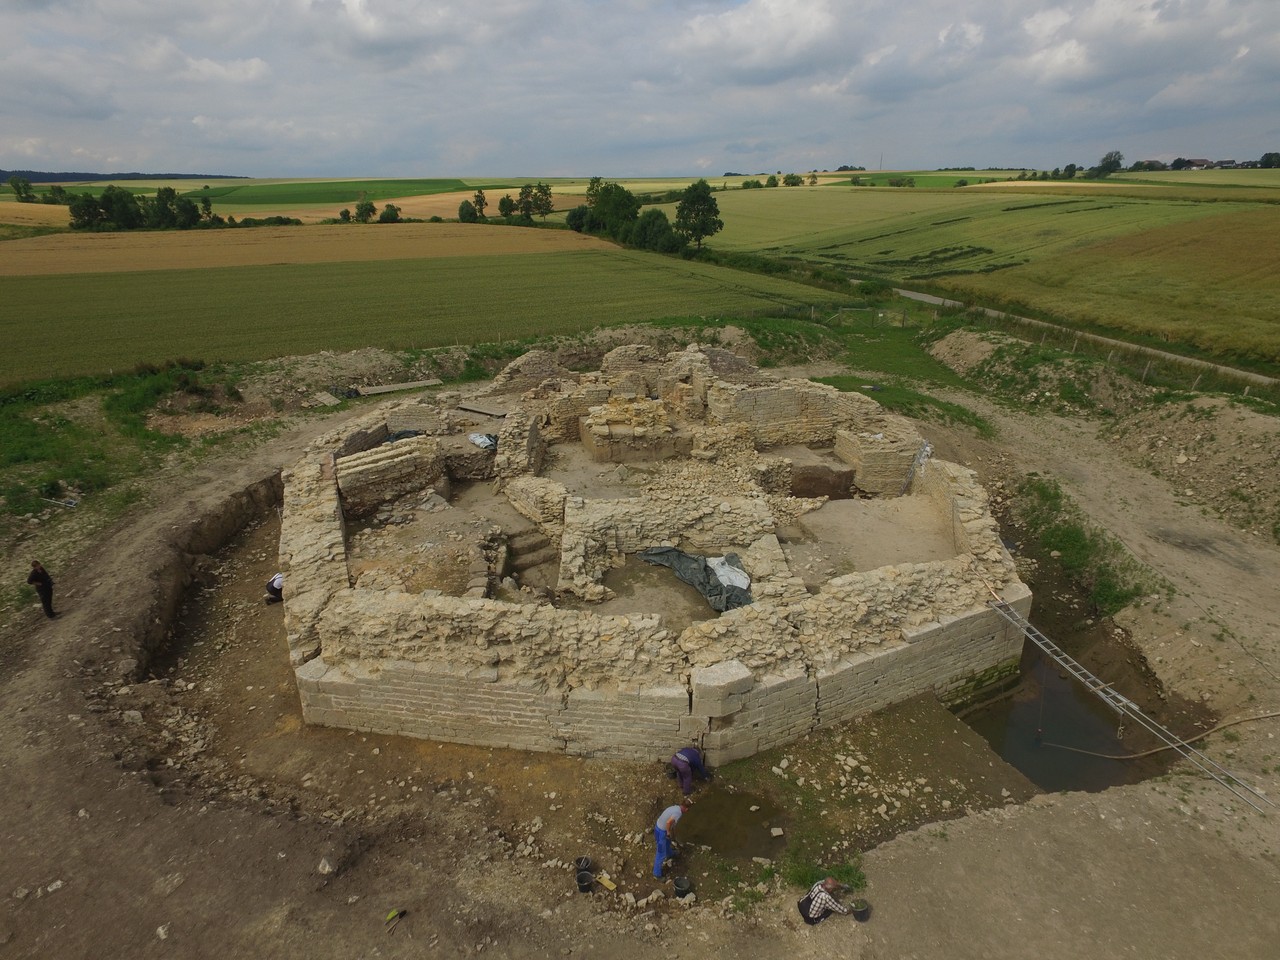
(598, 534)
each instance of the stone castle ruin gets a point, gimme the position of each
(467, 568)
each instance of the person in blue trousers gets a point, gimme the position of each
(688, 762)
(667, 821)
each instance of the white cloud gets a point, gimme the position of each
(540, 87)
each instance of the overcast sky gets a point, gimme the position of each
(280, 88)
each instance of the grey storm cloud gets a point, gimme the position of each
(629, 87)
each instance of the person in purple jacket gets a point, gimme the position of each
(687, 762)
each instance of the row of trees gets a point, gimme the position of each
(25, 193)
(365, 210)
(788, 180)
(118, 209)
(534, 200)
(1113, 162)
(614, 211)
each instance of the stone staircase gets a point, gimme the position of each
(527, 551)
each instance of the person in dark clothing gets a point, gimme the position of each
(40, 579)
(686, 763)
(275, 589)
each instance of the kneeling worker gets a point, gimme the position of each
(687, 762)
(820, 902)
(275, 589)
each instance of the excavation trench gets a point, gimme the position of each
(226, 663)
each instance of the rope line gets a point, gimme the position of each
(1169, 746)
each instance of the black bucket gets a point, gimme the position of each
(684, 887)
(582, 863)
(861, 910)
(586, 880)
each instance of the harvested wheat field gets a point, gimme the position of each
(328, 243)
(33, 214)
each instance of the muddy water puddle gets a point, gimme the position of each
(1057, 733)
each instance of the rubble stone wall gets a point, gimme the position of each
(598, 534)
(790, 411)
(372, 477)
(726, 707)
(313, 552)
(521, 448)
(531, 675)
(541, 500)
(881, 460)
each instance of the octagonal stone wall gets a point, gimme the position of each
(490, 668)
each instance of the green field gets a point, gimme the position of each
(1185, 258)
(289, 193)
(297, 193)
(1164, 267)
(95, 323)
(1257, 178)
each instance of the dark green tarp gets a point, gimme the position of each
(696, 572)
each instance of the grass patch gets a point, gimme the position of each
(79, 437)
(911, 403)
(802, 868)
(1095, 561)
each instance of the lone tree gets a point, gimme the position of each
(542, 203)
(479, 202)
(21, 188)
(697, 213)
(1111, 162)
(365, 210)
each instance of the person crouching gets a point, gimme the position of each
(820, 902)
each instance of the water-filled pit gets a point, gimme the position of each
(1055, 731)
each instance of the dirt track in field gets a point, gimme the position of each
(178, 250)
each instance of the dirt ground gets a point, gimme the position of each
(185, 811)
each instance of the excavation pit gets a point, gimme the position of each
(477, 578)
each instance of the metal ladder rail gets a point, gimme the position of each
(1126, 707)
